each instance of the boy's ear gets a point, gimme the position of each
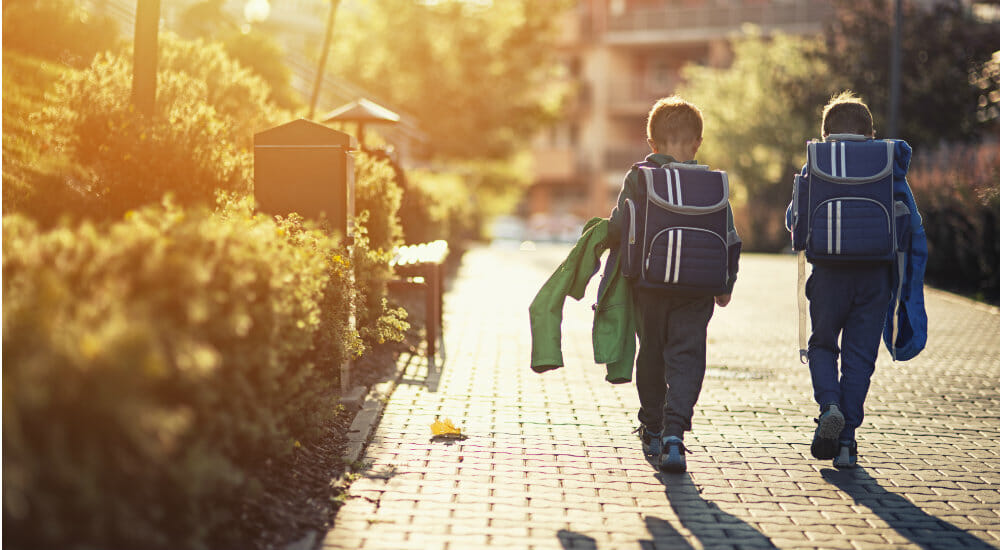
(695, 144)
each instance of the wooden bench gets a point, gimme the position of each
(420, 266)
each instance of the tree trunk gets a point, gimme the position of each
(334, 4)
(147, 25)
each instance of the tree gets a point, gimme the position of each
(323, 55)
(476, 76)
(253, 46)
(759, 112)
(260, 53)
(944, 49)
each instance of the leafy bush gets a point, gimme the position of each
(958, 193)
(197, 141)
(378, 233)
(37, 180)
(150, 365)
(377, 197)
(438, 206)
(56, 29)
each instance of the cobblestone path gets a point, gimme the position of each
(551, 461)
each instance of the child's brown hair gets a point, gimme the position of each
(846, 113)
(673, 119)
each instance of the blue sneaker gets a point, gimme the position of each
(848, 455)
(830, 423)
(672, 455)
(650, 441)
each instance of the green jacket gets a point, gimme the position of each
(615, 316)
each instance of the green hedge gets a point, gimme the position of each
(151, 365)
(377, 199)
(198, 140)
(958, 193)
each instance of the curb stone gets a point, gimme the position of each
(371, 411)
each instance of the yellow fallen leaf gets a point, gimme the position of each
(445, 428)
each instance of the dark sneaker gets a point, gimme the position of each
(848, 455)
(650, 441)
(672, 455)
(825, 441)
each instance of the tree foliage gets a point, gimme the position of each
(946, 52)
(253, 47)
(475, 76)
(759, 112)
(56, 29)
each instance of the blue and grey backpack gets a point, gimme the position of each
(676, 233)
(843, 210)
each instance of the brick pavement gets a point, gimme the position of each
(551, 463)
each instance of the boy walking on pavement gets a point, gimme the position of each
(851, 304)
(672, 326)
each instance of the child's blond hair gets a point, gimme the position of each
(847, 113)
(673, 119)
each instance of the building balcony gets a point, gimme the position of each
(678, 24)
(618, 159)
(635, 96)
(556, 165)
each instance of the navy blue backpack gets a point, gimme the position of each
(843, 210)
(676, 233)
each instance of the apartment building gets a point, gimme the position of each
(622, 55)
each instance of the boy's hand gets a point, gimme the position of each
(723, 300)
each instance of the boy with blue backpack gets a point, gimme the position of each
(680, 252)
(853, 217)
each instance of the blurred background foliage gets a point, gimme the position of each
(946, 97)
(495, 64)
(73, 36)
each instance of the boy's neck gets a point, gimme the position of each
(679, 151)
(671, 158)
(846, 135)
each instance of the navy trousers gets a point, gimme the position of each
(670, 367)
(847, 306)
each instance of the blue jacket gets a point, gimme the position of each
(909, 319)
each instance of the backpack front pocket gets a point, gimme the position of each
(687, 257)
(851, 228)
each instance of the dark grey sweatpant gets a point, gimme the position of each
(671, 363)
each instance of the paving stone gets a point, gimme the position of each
(551, 461)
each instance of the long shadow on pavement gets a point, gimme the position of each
(704, 520)
(709, 524)
(902, 515)
(576, 541)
